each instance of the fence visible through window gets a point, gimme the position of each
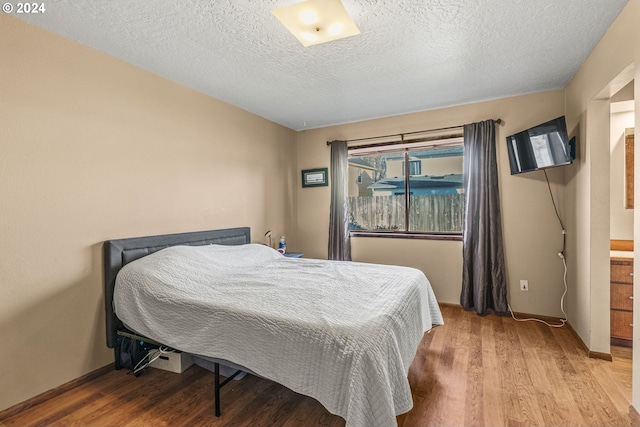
(438, 213)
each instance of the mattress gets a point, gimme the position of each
(344, 333)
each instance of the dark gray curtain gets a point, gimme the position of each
(484, 284)
(339, 240)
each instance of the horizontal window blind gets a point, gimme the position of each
(420, 144)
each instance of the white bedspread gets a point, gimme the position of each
(343, 333)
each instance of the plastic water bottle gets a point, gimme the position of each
(282, 247)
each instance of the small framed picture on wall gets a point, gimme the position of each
(315, 177)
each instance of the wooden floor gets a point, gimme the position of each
(621, 368)
(474, 371)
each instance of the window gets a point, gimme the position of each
(426, 199)
(415, 167)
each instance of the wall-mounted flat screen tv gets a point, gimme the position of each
(542, 146)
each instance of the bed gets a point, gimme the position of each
(342, 333)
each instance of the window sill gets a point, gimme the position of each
(400, 235)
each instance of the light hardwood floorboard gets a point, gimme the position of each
(473, 371)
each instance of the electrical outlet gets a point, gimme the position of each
(524, 285)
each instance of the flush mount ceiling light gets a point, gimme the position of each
(317, 21)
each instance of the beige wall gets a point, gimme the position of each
(609, 68)
(531, 232)
(92, 148)
(442, 165)
(394, 167)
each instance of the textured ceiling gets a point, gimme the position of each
(411, 55)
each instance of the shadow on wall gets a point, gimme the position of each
(572, 169)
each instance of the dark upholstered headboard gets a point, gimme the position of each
(119, 252)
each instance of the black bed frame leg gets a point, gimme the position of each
(116, 352)
(216, 387)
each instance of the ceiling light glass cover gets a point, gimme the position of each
(317, 21)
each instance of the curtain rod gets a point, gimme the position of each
(497, 121)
